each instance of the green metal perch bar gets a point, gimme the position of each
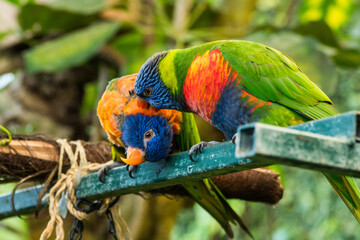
(331, 144)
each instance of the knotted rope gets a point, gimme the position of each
(67, 184)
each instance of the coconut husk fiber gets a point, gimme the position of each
(28, 155)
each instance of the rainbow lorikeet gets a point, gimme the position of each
(150, 134)
(231, 83)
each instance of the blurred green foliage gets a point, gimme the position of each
(42, 22)
(322, 36)
(68, 51)
(12, 228)
(79, 6)
(308, 210)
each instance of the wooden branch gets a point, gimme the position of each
(28, 155)
(256, 185)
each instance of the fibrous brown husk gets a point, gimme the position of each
(27, 155)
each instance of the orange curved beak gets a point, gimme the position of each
(134, 156)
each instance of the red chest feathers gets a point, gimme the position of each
(206, 78)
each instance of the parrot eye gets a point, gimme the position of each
(147, 92)
(149, 134)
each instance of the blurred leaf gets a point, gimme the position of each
(348, 58)
(42, 19)
(20, 2)
(215, 4)
(319, 30)
(79, 6)
(3, 35)
(69, 51)
(128, 44)
(16, 2)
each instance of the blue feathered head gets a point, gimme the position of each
(150, 87)
(153, 135)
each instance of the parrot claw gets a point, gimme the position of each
(103, 171)
(130, 169)
(199, 147)
(233, 139)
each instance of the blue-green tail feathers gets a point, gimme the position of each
(347, 190)
(207, 195)
(205, 192)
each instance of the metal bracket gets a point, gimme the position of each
(329, 144)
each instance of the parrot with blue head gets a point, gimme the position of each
(230, 83)
(132, 124)
(150, 134)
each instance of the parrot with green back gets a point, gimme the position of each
(150, 134)
(230, 83)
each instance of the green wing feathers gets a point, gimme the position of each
(117, 153)
(347, 190)
(272, 76)
(189, 134)
(205, 192)
(207, 195)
